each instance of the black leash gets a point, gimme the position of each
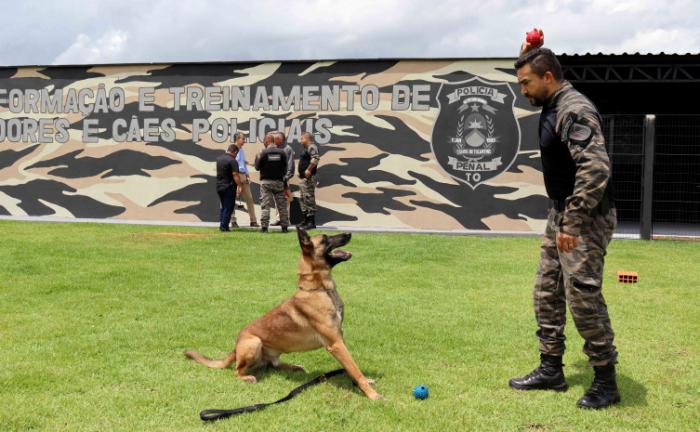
(218, 414)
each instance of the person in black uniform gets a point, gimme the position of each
(272, 164)
(228, 184)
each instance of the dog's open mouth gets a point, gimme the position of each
(334, 254)
(340, 254)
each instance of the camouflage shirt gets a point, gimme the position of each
(578, 126)
(290, 160)
(309, 156)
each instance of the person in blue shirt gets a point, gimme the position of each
(240, 140)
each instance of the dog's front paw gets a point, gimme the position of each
(374, 395)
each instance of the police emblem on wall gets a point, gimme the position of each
(476, 135)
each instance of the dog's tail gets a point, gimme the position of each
(206, 361)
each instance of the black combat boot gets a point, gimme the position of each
(603, 391)
(284, 229)
(549, 376)
(263, 229)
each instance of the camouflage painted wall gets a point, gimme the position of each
(380, 167)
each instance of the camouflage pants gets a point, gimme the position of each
(575, 277)
(307, 187)
(273, 192)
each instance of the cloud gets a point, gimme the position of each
(655, 40)
(108, 48)
(72, 31)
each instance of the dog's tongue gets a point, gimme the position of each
(343, 254)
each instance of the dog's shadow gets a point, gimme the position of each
(633, 393)
(343, 381)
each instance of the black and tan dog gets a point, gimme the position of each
(309, 320)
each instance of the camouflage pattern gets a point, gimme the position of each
(289, 151)
(378, 169)
(307, 186)
(272, 192)
(575, 277)
(314, 153)
(593, 168)
(307, 189)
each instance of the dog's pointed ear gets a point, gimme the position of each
(304, 240)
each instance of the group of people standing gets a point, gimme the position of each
(275, 163)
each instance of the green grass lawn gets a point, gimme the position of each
(94, 319)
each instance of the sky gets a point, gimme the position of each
(37, 32)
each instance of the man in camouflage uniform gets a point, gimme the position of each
(308, 163)
(272, 164)
(582, 218)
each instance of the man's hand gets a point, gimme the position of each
(566, 242)
(526, 46)
(238, 191)
(288, 195)
(247, 179)
(307, 174)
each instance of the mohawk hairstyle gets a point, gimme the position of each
(541, 60)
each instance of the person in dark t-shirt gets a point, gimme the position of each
(228, 184)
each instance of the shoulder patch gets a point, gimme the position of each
(580, 134)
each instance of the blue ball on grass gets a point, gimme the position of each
(420, 392)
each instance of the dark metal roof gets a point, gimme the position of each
(687, 58)
(636, 54)
(631, 68)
